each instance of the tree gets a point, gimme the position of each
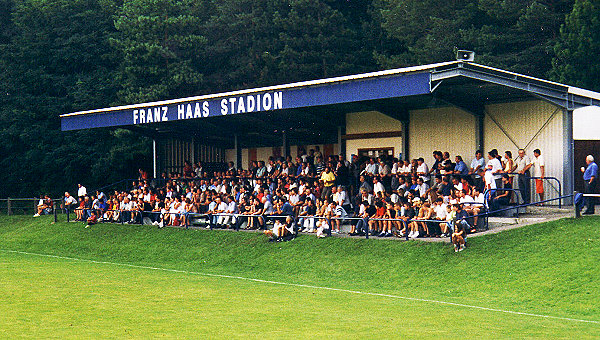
(509, 34)
(258, 43)
(160, 43)
(579, 46)
(57, 59)
(429, 31)
(520, 35)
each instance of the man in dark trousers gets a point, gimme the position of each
(590, 176)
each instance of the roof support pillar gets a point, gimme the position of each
(405, 137)
(341, 141)
(238, 151)
(568, 184)
(154, 161)
(479, 133)
(285, 148)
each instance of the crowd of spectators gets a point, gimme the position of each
(389, 197)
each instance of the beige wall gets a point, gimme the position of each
(444, 129)
(369, 122)
(263, 154)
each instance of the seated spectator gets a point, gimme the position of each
(377, 186)
(447, 226)
(255, 213)
(44, 206)
(323, 223)
(339, 214)
(186, 210)
(406, 214)
(93, 219)
(102, 208)
(502, 197)
(363, 213)
(422, 188)
(115, 213)
(375, 222)
(386, 226)
(69, 203)
(80, 210)
(281, 230)
(307, 213)
(425, 213)
(371, 169)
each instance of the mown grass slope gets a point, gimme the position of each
(551, 269)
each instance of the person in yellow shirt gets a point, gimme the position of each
(328, 179)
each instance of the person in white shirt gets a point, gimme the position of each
(539, 171)
(422, 188)
(490, 182)
(371, 168)
(69, 202)
(423, 170)
(81, 191)
(397, 167)
(378, 186)
(232, 208)
(496, 167)
(220, 207)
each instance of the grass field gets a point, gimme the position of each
(528, 270)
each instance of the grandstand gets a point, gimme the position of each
(393, 115)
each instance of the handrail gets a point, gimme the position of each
(329, 218)
(542, 178)
(530, 204)
(486, 195)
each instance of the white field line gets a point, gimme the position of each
(304, 286)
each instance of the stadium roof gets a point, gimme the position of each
(318, 106)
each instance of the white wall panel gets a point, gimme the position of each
(524, 123)
(444, 129)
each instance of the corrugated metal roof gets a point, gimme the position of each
(422, 68)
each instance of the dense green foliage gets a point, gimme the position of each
(62, 56)
(530, 270)
(579, 46)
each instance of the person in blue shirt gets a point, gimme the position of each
(590, 177)
(461, 167)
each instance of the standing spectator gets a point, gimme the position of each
(143, 174)
(590, 174)
(522, 165)
(423, 170)
(198, 170)
(496, 167)
(458, 237)
(477, 163)
(81, 191)
(328, 179)
(539, 171)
